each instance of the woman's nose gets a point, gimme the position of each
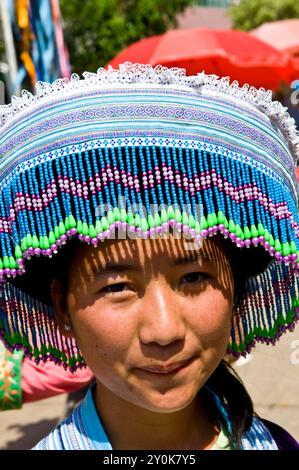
(162, 321)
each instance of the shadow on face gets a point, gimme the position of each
(82, 260)
(152, 257)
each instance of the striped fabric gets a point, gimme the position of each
(83, 430)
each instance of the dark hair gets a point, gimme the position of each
(228, 386)
(224, 381)
(245, 263)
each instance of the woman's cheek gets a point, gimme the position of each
(213, 321)
(106, 330)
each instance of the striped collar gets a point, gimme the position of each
(83, 430)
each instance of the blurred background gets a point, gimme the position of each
(252, 41)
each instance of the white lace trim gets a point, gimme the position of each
(128, 73)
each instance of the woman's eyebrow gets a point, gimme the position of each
(116, 267)
(112, 268)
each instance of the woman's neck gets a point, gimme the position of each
(131, 427)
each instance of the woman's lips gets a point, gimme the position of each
(167, 371)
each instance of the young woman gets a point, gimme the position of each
(176, 201)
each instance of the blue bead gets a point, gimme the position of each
(52, 203)
(186, 196)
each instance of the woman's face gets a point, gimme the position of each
(151, 318)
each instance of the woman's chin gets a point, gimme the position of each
(169, 401)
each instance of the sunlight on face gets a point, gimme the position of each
(152, 320)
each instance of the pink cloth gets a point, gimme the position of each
(47, 379)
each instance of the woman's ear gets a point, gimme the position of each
(59, 302)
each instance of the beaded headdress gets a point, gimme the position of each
(142, 148)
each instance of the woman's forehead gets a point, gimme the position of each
(170, 250)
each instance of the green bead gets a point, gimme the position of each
(178, 215)
(52, 238)
(6, 262)
(130, 219)
(144, 225)
(163, 216)
(231, 226)
(23, 244)
(1, 264)
(85, 229)
(261, 230)
(92, 231)
(43, 350)
(25, 342)
(99, 227)
(72, 361)
(35, 242)
(210, 220)
(18, 252)
(254, 232)
(36, 353)
(79, 226)
(62, 228)
(104, 223)
(12, 263)
(67, 224)
(56, 353)
(137, 220)
(203, 223)
(293, 247)
(221, 218)
(271, 240)
(286, 249)
(239, 232)
(72, 221)
(46, 243)
(29, 240)
(157, 220)
(110, 217)
(80, 358)
(56, 232)
(116, 214)
(64, 358)
(185, 218)
(226, 224)
(41, 243)
(247, 234)
(151, 221)
(197, 227)
(123, 215)
(277, 246)
(266, 235)
(191, 221)
(170, 213)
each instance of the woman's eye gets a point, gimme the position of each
(115, 288)
(195, 277)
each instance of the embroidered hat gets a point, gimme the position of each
(144, 149)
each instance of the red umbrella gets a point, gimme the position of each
(223, 52)
(284, 35)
